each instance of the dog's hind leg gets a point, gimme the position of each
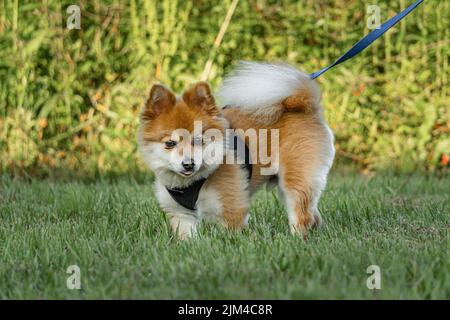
(300, 200)
(302, 178)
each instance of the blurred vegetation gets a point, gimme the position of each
(69, 99)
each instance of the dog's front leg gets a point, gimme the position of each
(184, 226)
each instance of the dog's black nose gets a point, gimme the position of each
(188, 165)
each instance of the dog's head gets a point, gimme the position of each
(182, 139)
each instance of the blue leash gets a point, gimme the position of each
(368, 39)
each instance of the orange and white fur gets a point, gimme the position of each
(260, 96)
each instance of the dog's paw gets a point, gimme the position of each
(318, 222)
(302, 227)
(185, 236)
(183, 227)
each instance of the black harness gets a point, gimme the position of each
(188, 196)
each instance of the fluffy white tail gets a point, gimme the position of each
(261, 89)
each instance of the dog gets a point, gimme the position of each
(275, 99)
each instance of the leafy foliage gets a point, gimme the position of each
(69, 99)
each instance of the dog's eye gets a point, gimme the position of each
(197, 141)
(170, 144)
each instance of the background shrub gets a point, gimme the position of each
(69, 99)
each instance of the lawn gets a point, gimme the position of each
(115, 233)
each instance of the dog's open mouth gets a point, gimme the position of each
(187, 173)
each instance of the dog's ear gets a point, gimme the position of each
(160, 99)
(200, 96)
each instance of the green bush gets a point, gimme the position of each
(69, 99)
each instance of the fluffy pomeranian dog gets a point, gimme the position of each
(275, 110)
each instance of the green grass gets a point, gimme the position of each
(119, 238)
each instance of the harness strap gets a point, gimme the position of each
(187, 197)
